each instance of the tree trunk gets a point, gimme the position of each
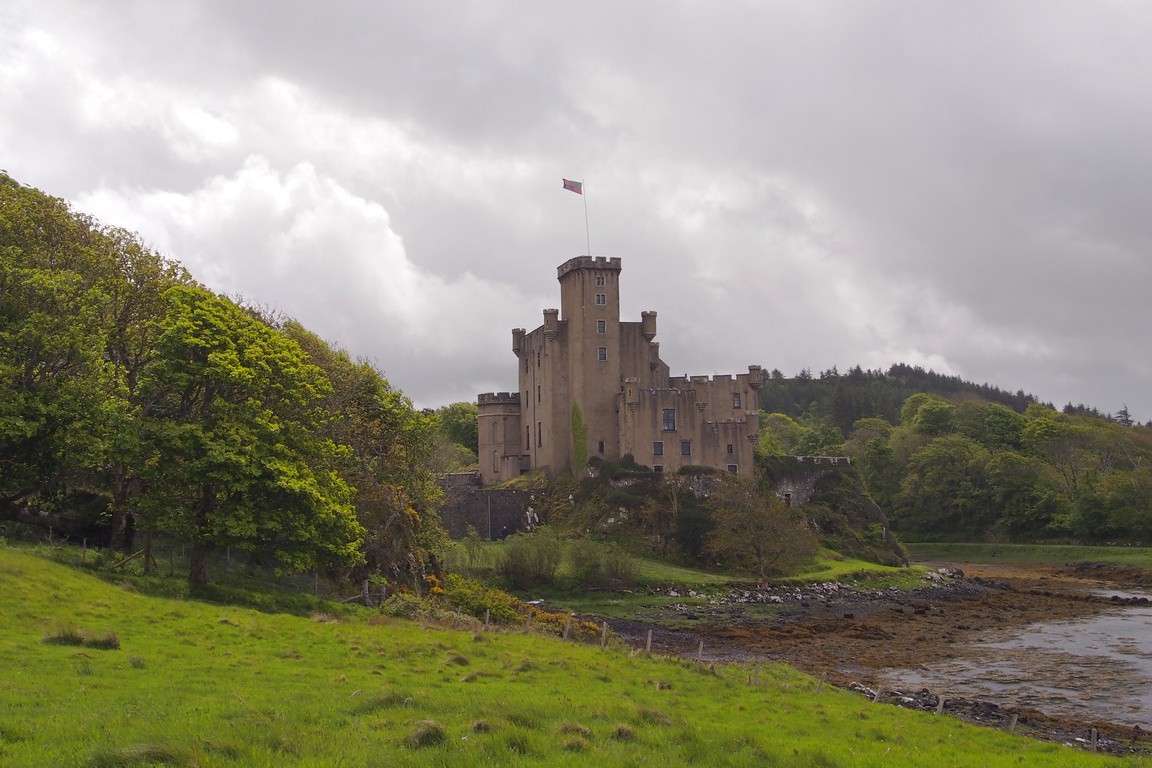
(198, 571)
(148, 551)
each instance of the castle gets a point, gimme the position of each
(585, 372)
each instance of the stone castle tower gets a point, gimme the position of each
(585, 366)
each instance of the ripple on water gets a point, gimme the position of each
(1095, 668)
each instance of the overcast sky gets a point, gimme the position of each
(965, 186)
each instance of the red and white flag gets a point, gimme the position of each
(573, 186)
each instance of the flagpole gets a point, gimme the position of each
(587, 231)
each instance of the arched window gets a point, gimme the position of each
(495, 432)
(495, 462)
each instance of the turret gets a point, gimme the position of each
(648, 325)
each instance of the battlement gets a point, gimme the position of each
(498, 398)
(587, 262)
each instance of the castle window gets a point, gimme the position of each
(735, 399)
(601, 326)
(733, 469)
(731, 448)
(601, 446)
(599, 279)
(538, 393)
(601, 353)
(601, 299)
(495, 462)
(527, 435)
(669, 420)
(658, 448)
(657, 467)
(537, 359)
(495, 432)
(539, 434)
(685, 447)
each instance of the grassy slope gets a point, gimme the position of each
(1043, 554)
(206, 685)
(652, 572)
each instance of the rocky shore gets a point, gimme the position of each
(849, 635)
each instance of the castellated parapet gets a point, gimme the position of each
(583, 364)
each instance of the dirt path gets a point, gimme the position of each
(850, 642)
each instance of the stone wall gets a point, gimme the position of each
(494, 512)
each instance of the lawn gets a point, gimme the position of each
(567, 595)
(204, 684)
(1041, 554)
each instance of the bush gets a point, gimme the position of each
(618, 568)
(474, 598)
(586, 561)
(531, 558)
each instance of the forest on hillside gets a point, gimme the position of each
(946, 459)
(134, 399)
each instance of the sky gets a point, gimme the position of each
(800, 185)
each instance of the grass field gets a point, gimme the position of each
(1040, 554)
(566, 595)
(100, 676)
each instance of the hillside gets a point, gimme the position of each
(98, 675)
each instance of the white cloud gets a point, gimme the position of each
(302, 243)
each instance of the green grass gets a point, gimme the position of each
(567, 595)
(200, 684)
(1040, 554)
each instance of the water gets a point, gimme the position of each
(1094, 669)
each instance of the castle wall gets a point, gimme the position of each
(583, 354)
(498, 436)
(493, 512)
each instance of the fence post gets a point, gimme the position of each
(367, 599)
(528, 621)
(567, 626)
(940, 703)
(820, 684)
(756, 674)
(487, 612)
(700, 653)
(648, 645)
(604, 637)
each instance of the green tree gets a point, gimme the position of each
(392, 449)
(459, 423)
(753, 531)
(945, 488)
(231, 409)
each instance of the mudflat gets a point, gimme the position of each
(849, 637)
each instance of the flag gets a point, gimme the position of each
(573, 186)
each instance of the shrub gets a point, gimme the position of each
(586, 557)
(472, 597)
(532, 558)
(619, 569)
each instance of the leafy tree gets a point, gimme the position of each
(392, 447)
(946, 489)
(459, 423)
(231, 409)
(754, 531)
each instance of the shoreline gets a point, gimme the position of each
(850, 636)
